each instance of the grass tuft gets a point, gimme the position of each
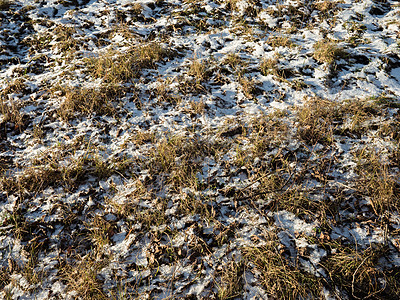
(271, 66)
(89, 100)
(81, 277)
(200, 71)
(58, 170)
(327, 51)
(315, 120)
(281, 278)
(180, 158)
(114, 67)
(280, 41)
(232, 281)
(9, 108)
(376, 182)
(359, 274)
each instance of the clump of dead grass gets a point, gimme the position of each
(281, 278)
(327, 51)
(5, 276)
(143, 137)
(9, 108)
(81, 276)
(197, 107)
(280, 41)
(190, 204)
(64, 38)
(376, 182)
(89, 100)
(114, 67)
(231, 280)
(267, 130)
(100, 231)
(233, 60)
(179, 157)
(316, 120)
(248, 86)
(137, 209)
(57, 170)
(16, 86)
(271, 66)
(165, 93)
(358, 272)
(199, 70)
(325, 7)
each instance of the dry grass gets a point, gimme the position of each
(300, 203)
(359, 114)
(89, 100)
(327, 51)
(100, 231)
(319, 119)
(233, 60)
(200, 70)
(11, 114)
(316, 120)
(136, 209)
(231, 280)
(9, 108)
(231, 4)
(32, 180)
(197, 107)
(376, 182)
(168, 188)
(325, 6)
(4, 276)
(249, 87)
(81, 277)
(271, 66)
(179, 158)
(355, 31)
(114, 67)
(20, 226)
(280, 41)
(281, 278)
(266, 132)
(166, 94)
(65, 39)
(59, 169)
(195, 204)
(143, 137)
(16, 86)
(30, 269)
(142, 217)
(358, 272)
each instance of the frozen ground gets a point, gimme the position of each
(199, 149)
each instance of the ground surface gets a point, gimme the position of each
(199, 149)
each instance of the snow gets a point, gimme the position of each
(100, 27)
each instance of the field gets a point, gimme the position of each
(199, 149)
